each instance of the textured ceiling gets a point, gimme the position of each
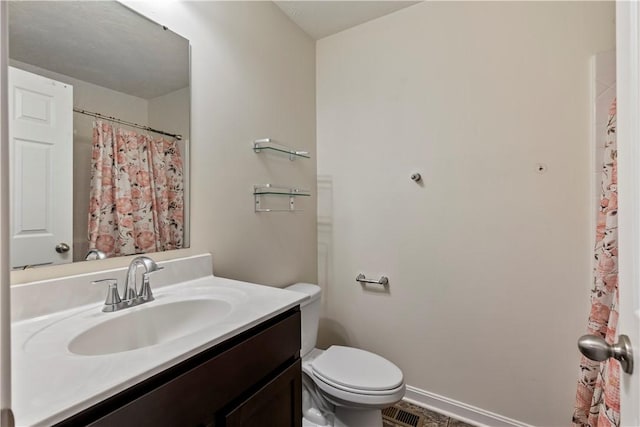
(103, 43)
(323, 18)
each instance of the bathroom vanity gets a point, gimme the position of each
(252, 379)
(206, 351)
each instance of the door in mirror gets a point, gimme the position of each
(41, 168)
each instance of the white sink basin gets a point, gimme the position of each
(149, 325)
(171, 317)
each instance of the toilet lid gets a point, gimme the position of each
(357, 369)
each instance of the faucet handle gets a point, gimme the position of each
(113, 300)
(145, 289)
(145, 293)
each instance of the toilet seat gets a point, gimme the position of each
(357, 371)
(355, 378)
(356, 390)
(341, 396)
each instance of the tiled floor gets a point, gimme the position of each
(427, 418)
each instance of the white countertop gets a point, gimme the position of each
(50, 383)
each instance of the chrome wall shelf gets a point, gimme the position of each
(270, 145)
(263, 192)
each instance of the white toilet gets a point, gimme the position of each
(342, 386)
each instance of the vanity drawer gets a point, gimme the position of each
(199, 391)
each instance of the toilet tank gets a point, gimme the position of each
(310, 310)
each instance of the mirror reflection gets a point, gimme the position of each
(99, 132)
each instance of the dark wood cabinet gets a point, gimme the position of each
(277, 404)
(253, 379)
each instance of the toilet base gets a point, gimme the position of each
(349, 417)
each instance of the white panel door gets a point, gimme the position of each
(628, 133)
(41, 157)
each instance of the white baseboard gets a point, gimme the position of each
(461, 411)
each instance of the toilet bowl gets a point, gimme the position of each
(342, 386)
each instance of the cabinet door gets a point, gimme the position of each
(277, 404)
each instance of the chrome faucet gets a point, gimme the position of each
(144, 293)
(131, 296)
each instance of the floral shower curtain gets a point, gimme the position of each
(598, 395)
(137, 198)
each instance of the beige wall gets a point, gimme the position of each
(166, 112)
(253, 76)
(488, 261)
(5, 317)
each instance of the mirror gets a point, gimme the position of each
(99, 133)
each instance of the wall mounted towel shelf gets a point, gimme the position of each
(270, 145)
(269, 191)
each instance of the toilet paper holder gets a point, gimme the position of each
(384, 280)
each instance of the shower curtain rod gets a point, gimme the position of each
(124, 122)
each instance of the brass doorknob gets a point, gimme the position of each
(597, 349)
(62, 248)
